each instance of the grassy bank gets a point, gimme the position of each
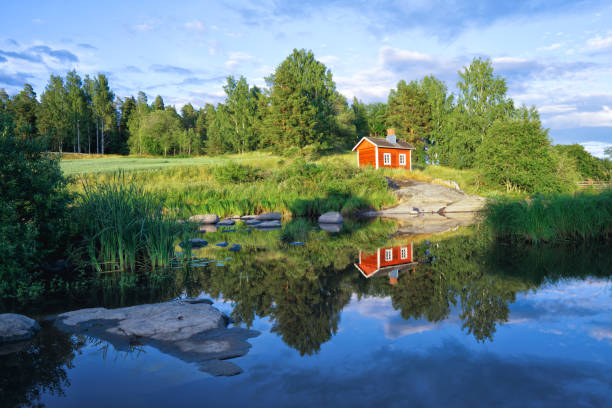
(552, 218)
(257, 183)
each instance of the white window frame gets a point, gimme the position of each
(404, 253)
(402, 159)
(385, 157)
(388, 255)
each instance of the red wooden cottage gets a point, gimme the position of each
(386, 262)
(384, 152)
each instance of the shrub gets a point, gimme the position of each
(236, 173)
(33, 210)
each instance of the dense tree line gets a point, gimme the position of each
(478, 128)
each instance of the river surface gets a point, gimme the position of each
(360, 318)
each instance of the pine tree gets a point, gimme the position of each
(24, 107)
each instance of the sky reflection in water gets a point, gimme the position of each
(552, 348)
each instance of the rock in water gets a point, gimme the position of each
(269, 224)
(253, 222)
(331, 227)
(270, 216)
(226, 223)
(330, 218)
(15, 327)
(207, 228)
(194, 332)
(204, 218)
(235, 248)
(195, 243)
(222, 244)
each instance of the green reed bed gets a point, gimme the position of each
(125, 228)
(550, 218)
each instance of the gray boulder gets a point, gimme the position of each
(253, 222)
(204, 218)
(270, 216)
(330, 218)
(15, 327)
(192, 331)
(226, 223)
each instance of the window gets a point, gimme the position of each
(387, 159)
(388, 255)
(404, 253)
(402, 159)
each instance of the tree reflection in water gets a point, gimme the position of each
(40, 367)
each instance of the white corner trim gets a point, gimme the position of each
(378, 258)
(357, 158)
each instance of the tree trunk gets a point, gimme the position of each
(102, 143)
(78, 138)
(97, 138)
(88, 138)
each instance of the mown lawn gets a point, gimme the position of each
(88, 165)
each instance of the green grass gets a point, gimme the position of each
(552, 218)
(134, 163)
(290, 186)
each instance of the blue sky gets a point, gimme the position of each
(556, 54)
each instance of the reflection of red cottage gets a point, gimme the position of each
(384, 152)
(386, 261)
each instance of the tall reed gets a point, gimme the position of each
(558, 217)
(124, 228)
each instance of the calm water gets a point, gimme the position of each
(360, 318)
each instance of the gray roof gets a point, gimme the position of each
(383, 142)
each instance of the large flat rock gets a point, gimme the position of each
(193, 332)
(427, 208)
(15, 328)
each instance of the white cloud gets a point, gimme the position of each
(195, 25)
(237, 58)
(600, 43)
(598, 118)
(143, 27)
(392, 56)
(597, 148)
(550, 47)
(601, 334)
(557, 108)
(328, 59)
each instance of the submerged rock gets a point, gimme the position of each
(15, 327)
(207, 228)
(331, 227)
(270, 216)
(226, 223)
(235, 248)
(222, 244)
(332, 217)
(192, 331)
(253, 222)
(204, 218)
(269, 224)
(195, 243)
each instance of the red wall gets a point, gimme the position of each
(394, 158)
(369, 261)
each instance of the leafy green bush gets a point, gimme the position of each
(33, 214)
(516, 153)
(236, 173)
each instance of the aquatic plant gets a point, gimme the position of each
(125, 228)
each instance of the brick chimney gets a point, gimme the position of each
(391, 135)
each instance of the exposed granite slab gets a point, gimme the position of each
(194, 332)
